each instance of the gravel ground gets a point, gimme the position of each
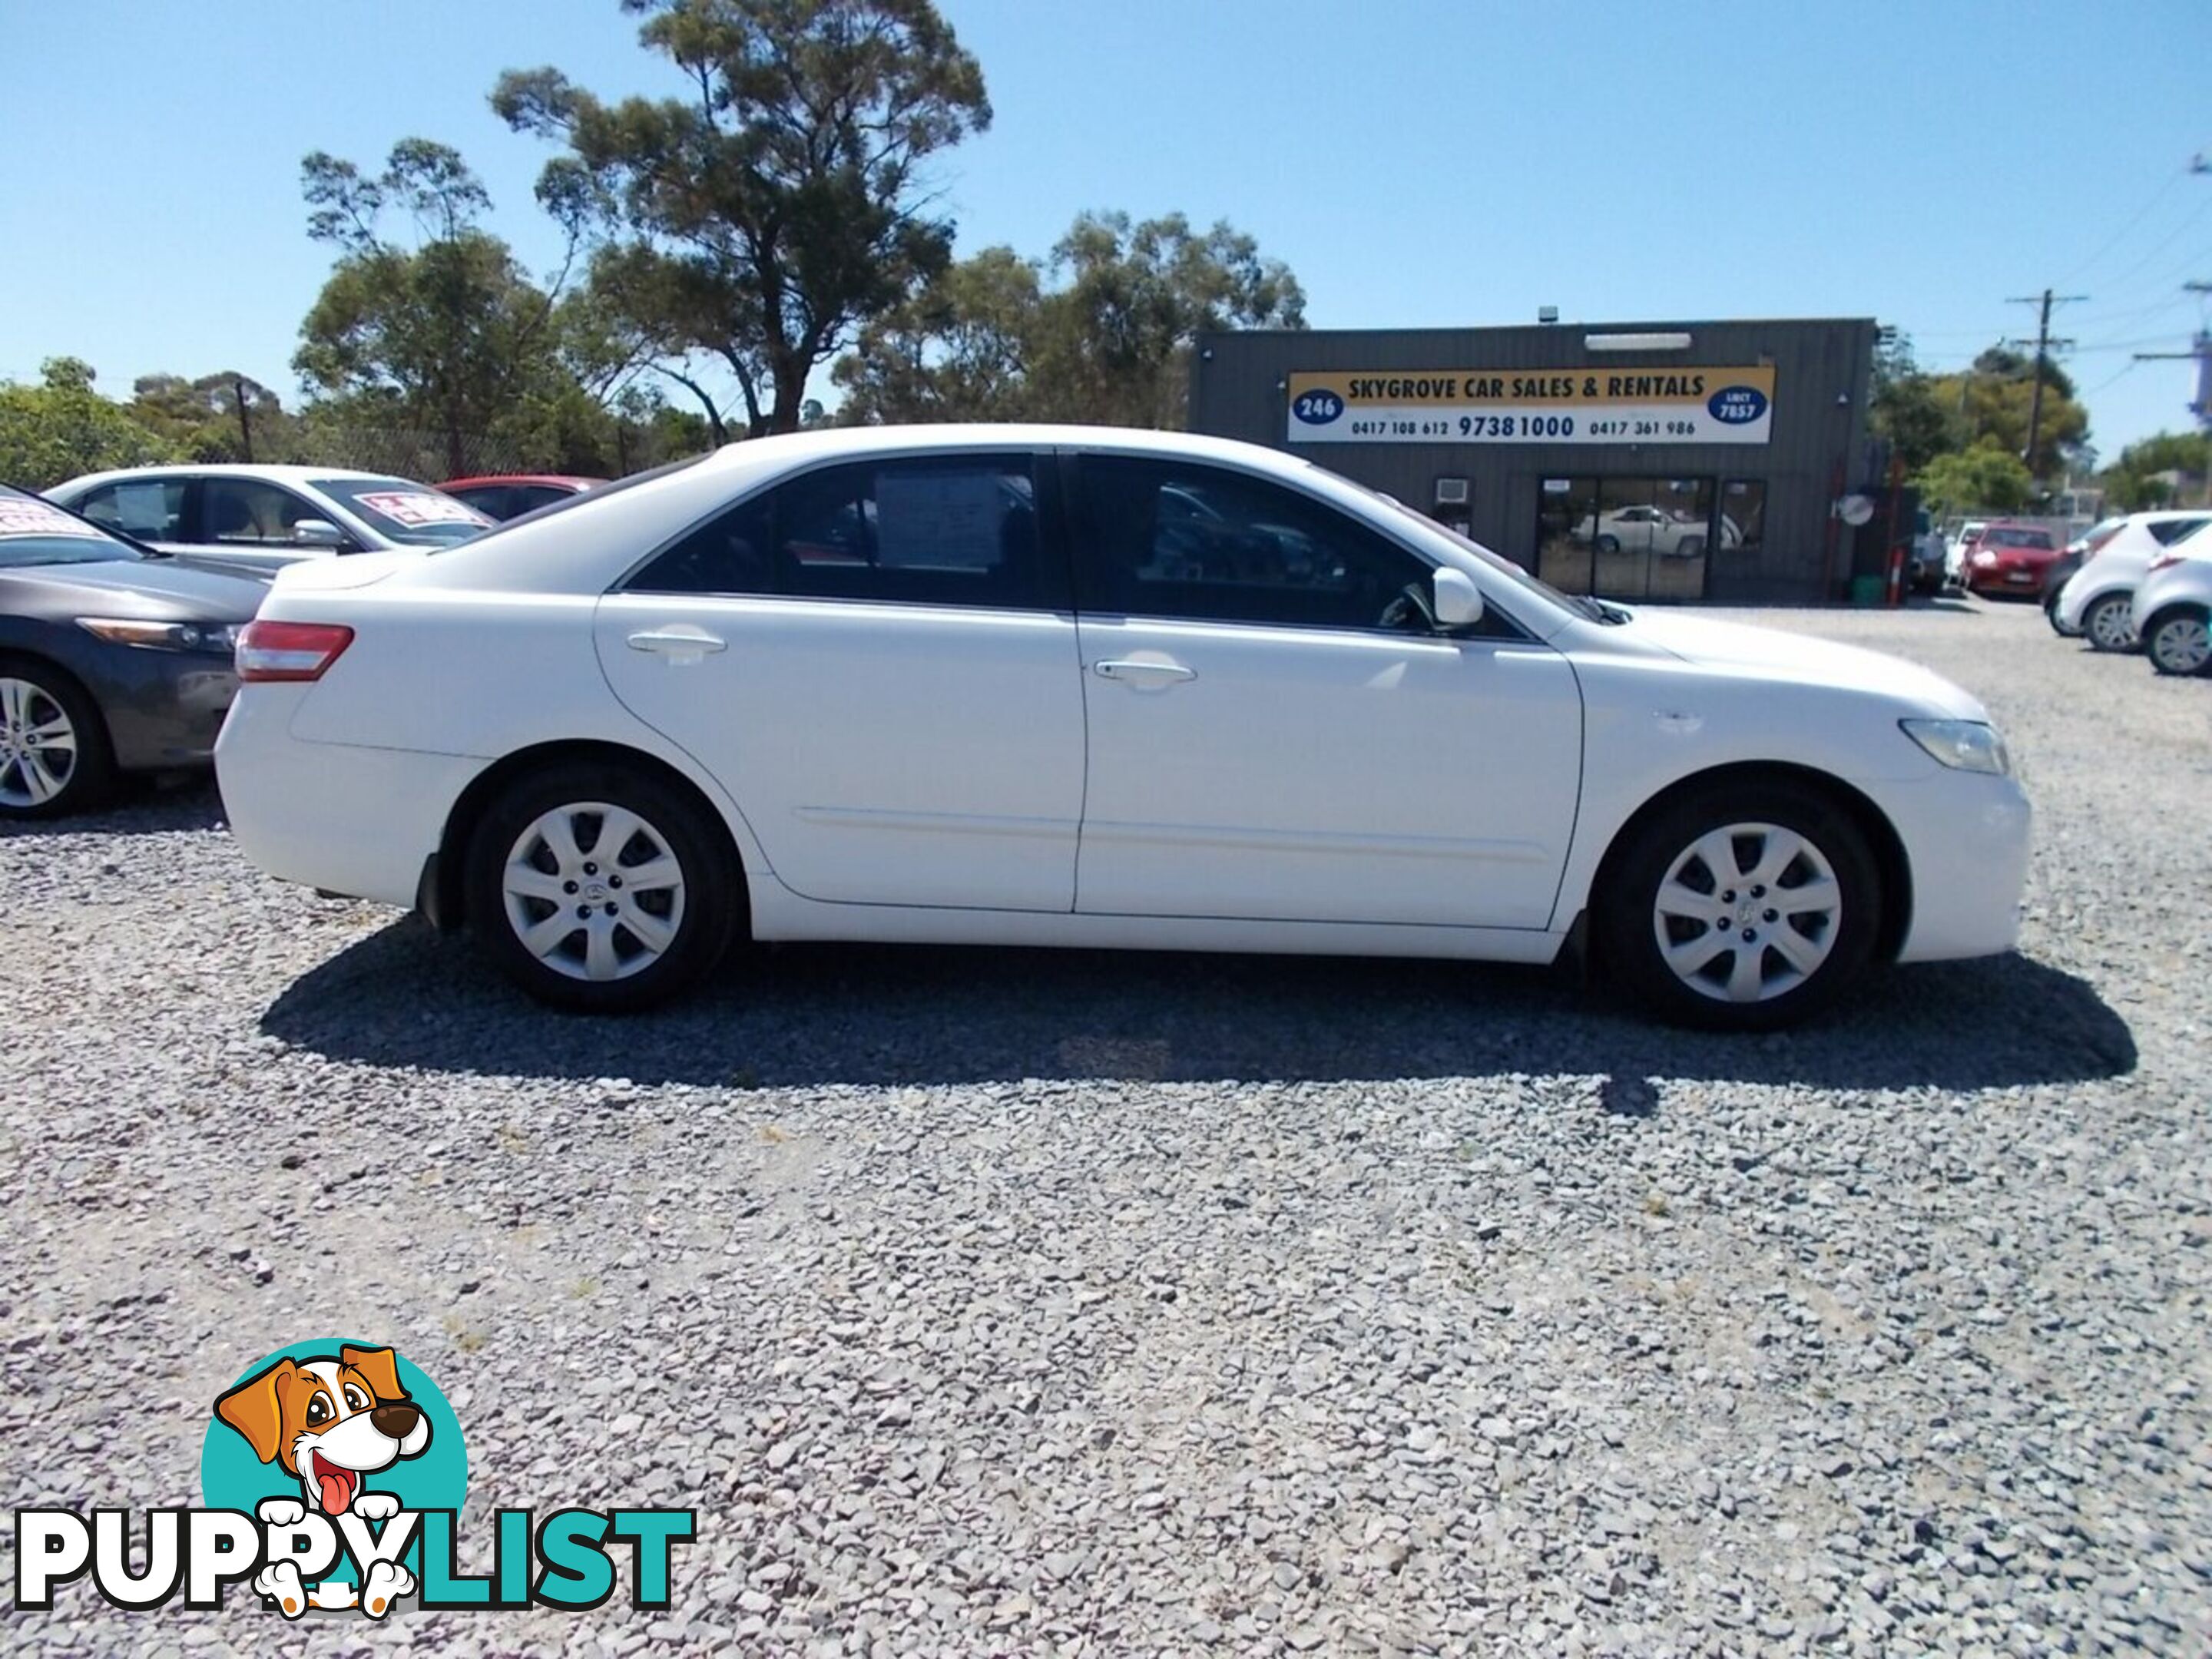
(1021, 1303)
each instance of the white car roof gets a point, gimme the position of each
(272, 474)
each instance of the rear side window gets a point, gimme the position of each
(2173, 529)
(957, 530)
(152, 509)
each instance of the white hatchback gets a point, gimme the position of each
(1073, 686)
(2173, 608)
(2098, 599)
(255, 519)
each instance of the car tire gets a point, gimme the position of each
(1690, 547)
(55, 756)
(2178, 640)
(650, 918)
(1670, 920)
(1608, 545)
(2109, 623)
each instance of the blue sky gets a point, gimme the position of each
(1416, 161)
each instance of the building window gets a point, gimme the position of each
(1625, 539)
(1743, 517)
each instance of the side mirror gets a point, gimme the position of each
(1458, 601)
(317, 533)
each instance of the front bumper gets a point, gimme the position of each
(1965, 836)
(340, 817)
(163, 708)
(2007, 577)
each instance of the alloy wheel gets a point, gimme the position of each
(593, 891)
(1748, 912)
(2109, 626)
(2182, 645)
(38, 745)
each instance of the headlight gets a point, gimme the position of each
(162, 636)
(1984, 560)
(1966, 746)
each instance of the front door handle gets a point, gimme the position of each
(678, 641)
(1142, 673)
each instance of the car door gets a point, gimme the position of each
(248, 524)
(1274, 733)
(878, 659)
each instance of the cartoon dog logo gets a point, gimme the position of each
(329, 1421)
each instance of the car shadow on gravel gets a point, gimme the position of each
(818, 1014)
(142, 807)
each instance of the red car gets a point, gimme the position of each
(2012, 558)
(510, 494)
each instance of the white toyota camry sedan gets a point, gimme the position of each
(1038, 685)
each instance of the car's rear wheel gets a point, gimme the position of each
(2180, 641)
(600, 890)
(1741, 907)
(54, 753)
(2109, 623)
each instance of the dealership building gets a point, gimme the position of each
(1721, 462)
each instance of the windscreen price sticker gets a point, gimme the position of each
(1673, 405)
(419, 506)
(21, 517)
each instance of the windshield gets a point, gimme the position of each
(412, 514)
(34, 532)
(1578, 604)
(2020, 539)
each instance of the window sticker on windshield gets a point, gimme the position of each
(22, 518)
(419, 506)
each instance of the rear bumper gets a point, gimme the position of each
(1965, 837)
(340, 817)
(2077, 597)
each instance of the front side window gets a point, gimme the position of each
(1166, 538)
(235, 511)
(152, 509)
(959, 529)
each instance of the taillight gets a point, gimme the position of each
(2165, 561)
(289, 651)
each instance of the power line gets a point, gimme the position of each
(2118, 236)
(2120, 283)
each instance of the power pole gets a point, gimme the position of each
(2044, 344)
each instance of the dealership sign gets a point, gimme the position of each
(1680, 404)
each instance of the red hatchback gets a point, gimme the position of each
(2012, 558)
(510, 494)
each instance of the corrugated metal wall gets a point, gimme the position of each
(1821, 366)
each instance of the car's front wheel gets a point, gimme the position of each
(600, 890)
(54, 756)
(2180, 641)
(2110, 623)
(1741, 907)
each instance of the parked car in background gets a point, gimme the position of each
(2077, 553)
(257, 518)
(2011, 559)
(2173, 608)
(609, 736)
(113, 657)
(509, 495)
(2098, 600)
(1959, 548)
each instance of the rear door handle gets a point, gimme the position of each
(678, 641)
(1157, 673)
